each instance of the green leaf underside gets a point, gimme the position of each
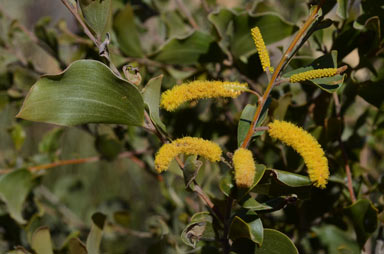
(126, 32)
(96, 14)
(86, 92)
(272, 26)
(250, 227)
(151, 97)
(185, 50)
(14, 200)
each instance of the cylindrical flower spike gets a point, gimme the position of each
(261, 49)
(308, 75)
(189, 146)
(173, 98)
(307, 146)
(244, 167)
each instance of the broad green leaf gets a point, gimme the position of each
(281, 183)
(336, 240)
(248, 226)
(96, 14)
(272, 26)
(151, 97)
(186, 50)
(41, 241)
(126, 32)
(282, 106)
(14, 188)
(328, 84)
(364, 217)
(199, 227)
(290, 179)
(94, 237)
(276, 242)
(226, 184)
(86, 92)
(253, 205)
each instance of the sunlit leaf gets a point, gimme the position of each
(87, 92)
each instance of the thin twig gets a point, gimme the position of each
(271, 83)
(86, 30)
(122, 155)
(343, 150)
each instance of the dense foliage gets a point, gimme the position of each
(81, 124)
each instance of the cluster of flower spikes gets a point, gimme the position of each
(312, 74)
(173, 98)
(307, 146)
(189, 146)
(244, 167)
(261, 49)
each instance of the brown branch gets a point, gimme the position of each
(343, 150)
(271, 83)
(126, 154)
(76, 14)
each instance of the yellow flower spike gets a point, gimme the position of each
(261, 49)
(307, 146)
(308, 75)
(189, 146)
(173, 98)
(244, 167)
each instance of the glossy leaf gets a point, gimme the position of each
(126, 32)
(247, 226)
(186, 50)
(23, 181)
(276, 242)
(253, 205)
(86, 92)
(94, 237)
(151, 97)
(41, 241)
(96, 14)
(364, 217)
(328, 84)
(290, 179)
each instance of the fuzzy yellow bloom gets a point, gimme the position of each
(307, 146)
(261, 49)
(173, 98)
(308, 75)
(244, 167)
(189, 146)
